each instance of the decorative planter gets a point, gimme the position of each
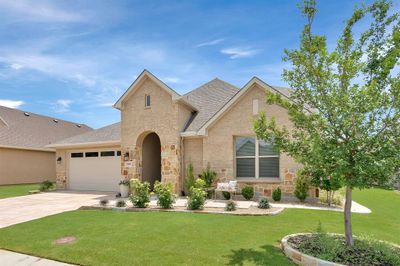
(124, 190)
(300, 258)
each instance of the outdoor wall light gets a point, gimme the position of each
(126, 156)
(59, 159)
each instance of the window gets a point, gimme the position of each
(147, 100)
(118, 153)
(77, 155)
(107, 153)
(91, 154)
(256, 158)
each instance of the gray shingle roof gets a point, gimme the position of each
(208, 99)
(108, 133)
(34, 131)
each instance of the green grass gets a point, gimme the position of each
(159, 238)
(8, 191)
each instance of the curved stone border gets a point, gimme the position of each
(300, 258)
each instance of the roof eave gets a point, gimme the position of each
(85, 144)
(27, 148)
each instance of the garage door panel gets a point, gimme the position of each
(94, 173)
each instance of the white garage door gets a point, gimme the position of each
(95, 170)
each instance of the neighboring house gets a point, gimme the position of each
(161, 132)
(24, 157)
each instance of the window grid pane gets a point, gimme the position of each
(269, 167)
(245, 146)
(245, 167)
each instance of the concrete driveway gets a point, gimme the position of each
(26, 208)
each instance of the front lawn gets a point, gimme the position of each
(147, 238)
(8, 191)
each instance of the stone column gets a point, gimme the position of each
(171, 166)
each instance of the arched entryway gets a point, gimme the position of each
(151, 159)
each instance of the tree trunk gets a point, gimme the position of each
(347, 217)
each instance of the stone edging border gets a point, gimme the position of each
(300, 258)
(131, 209)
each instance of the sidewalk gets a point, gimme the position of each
(9, 258)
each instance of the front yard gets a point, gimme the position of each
(8, 191)
(147, 238)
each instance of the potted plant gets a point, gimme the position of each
(124, 188)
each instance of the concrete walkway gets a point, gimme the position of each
(26, 208)
(9, 258)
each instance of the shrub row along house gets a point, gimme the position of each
(161, 132)
(24, 157)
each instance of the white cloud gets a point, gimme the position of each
(39, 11)
(11, 103)
(62, 105)
(16, 66)
(210, 43)
(237, 52)
(172, 80)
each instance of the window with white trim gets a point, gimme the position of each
(147, 100)
(255, 158)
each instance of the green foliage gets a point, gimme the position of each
(141, 193)
(330, 247)
(103, 202)
(164, 194)
(277, 194)
(248, 192)
(230, 206)
(301, 186)
(120, 203)
(263, 203)
(124, 182)
(200, 183)
(226, 195)
(190, 180)
(208, 176)
(345, 106)
(197, 198)
(46, 185)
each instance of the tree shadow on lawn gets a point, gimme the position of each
(269, 255)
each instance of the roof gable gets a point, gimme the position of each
(228, 105)
(148, 75)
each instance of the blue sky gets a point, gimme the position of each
(73, 59)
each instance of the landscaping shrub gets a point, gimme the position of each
(200, 183)
(190, 180)
(164, 194)
(103, 202)
(333, 248)
(230, 206)
(46, 185)
(263, 203)
(226, 195)
(208, 176)
(197, 198)
(141, 195)
(120, 203)
(248, 192)
(277, 194)
(301, 188)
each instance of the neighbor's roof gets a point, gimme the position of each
(20, 129)
(107, 134)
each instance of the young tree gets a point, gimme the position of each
(345, 106)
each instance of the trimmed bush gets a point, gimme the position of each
(301, 188)
(277, 194)
(46, 185)
(141, 196)
(226, 195)
(197, 198)
(230, 206)
(263, 203)
(248, 192)
(120, 203)
(103, 202)
(164, 194)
